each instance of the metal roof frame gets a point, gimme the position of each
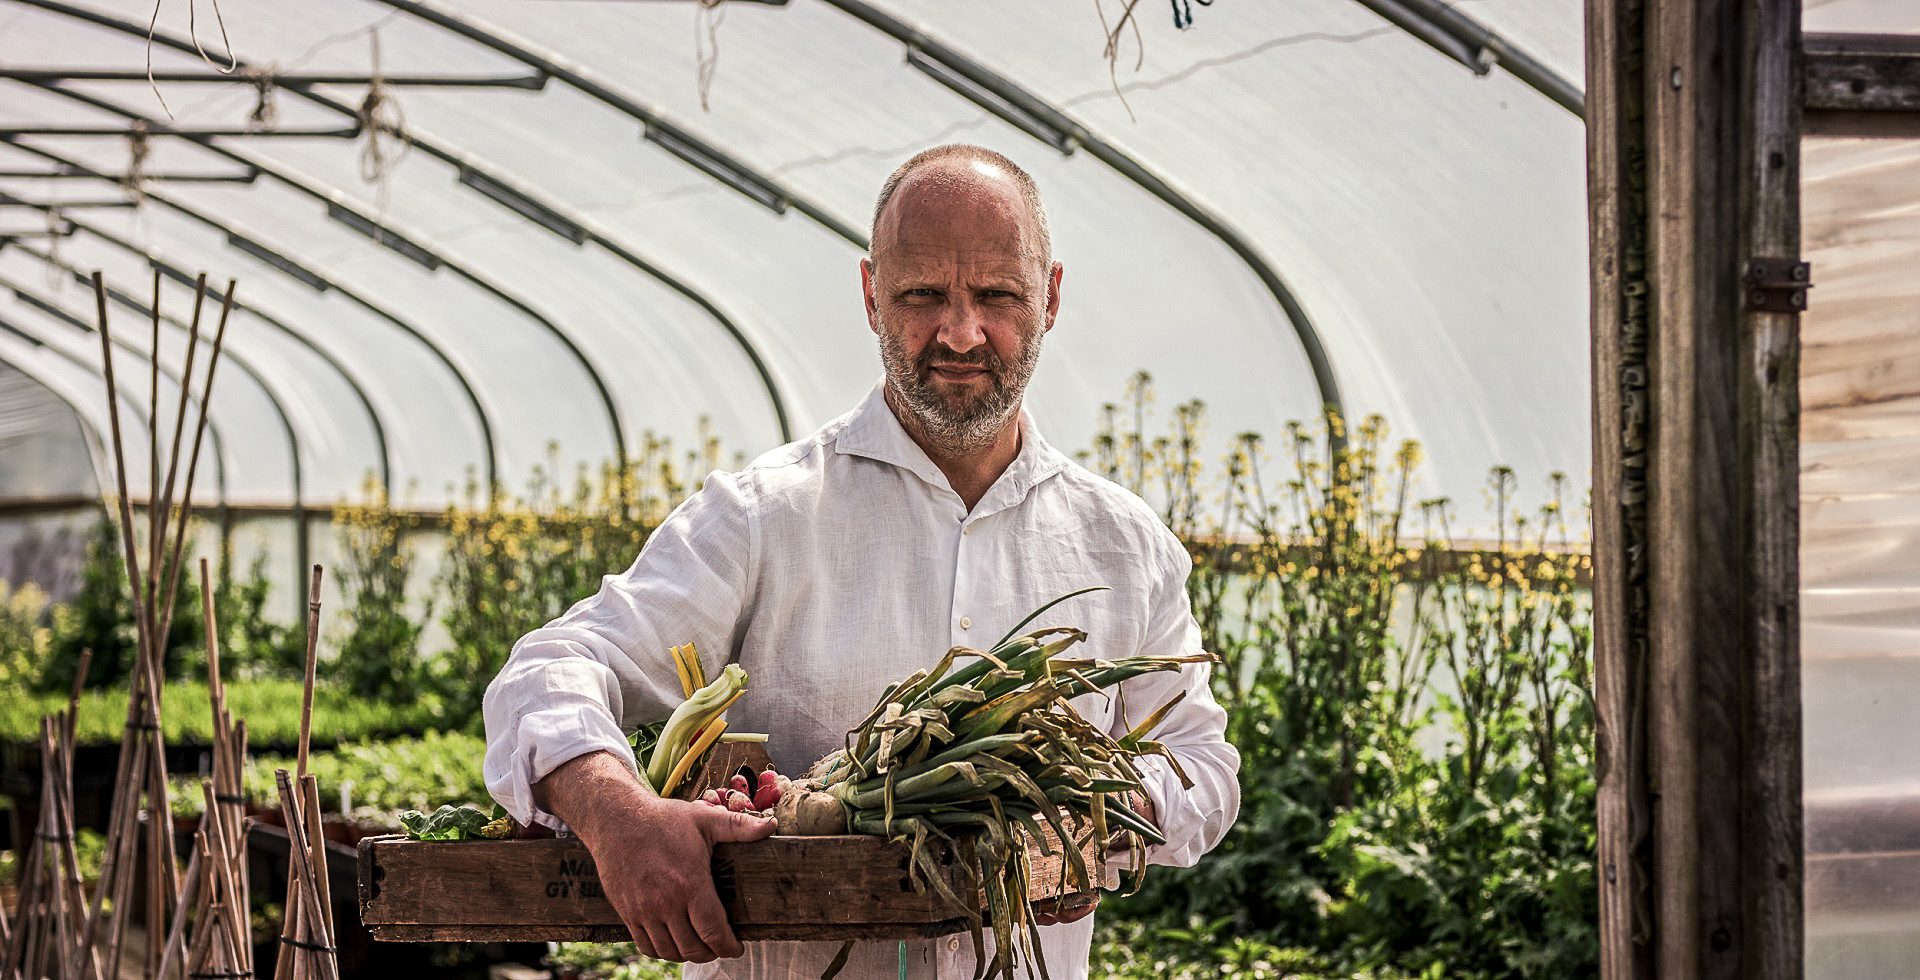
(240, 362)
(132, 399)
(475, 176)
(489, 450)
(376, 229)
(302, 548)
(214, 293)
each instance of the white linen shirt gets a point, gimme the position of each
(836, 565)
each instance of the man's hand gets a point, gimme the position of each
(1076, 907)
(654, 855)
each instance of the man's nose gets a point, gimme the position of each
(964, 326)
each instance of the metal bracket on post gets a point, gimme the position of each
(1776, 285)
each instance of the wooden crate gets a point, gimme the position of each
(780, 888)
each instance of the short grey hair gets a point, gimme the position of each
(967, 152)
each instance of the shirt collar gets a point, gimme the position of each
(872, 430)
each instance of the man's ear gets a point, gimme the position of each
(866, 292)
(1053, 292)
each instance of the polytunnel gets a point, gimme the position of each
(596, 222)
(474, 239)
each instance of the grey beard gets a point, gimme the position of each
(965, 429)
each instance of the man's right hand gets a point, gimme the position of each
(654, 855)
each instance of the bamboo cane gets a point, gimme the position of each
(127, 796)
(317, 843)
(72, 932)
(310, 931)
(199, 431)
(165, 497)
(154, 534)
(190, 898)
(6, 941)
(313, 652)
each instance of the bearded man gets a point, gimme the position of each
(932, 515)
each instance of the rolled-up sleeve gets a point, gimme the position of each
(1194, 819)
(578, 684)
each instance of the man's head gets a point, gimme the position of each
(960, 287)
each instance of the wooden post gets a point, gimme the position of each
(1693, 148)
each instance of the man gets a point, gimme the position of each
(932, 515)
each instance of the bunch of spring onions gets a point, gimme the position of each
(970, 763)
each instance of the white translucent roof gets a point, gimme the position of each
(1427, 221)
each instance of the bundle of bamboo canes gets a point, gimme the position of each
(56, 930)
(217, 893)
(307, 950)
(52, 909)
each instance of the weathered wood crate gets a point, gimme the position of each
(780, 888)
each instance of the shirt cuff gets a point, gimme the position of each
(543, 742)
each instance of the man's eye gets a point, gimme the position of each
(921, 292)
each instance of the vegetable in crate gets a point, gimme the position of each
(457, 823)
(693, 727)
(973, 762)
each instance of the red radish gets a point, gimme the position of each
(739, 802)
(739, 784)
(766, 796)
(712, 798)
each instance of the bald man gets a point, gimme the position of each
(930, 516)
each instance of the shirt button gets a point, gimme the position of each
(953, 944)
(965, 624)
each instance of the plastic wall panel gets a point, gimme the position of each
(43, 448)
(1860, 556)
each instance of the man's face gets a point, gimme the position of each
(960, 296)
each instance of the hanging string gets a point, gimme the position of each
(266, 108)
(383, 126)
(138, 147)
(1112, 50)
(706, 44)
(153, 25)
(234, 59)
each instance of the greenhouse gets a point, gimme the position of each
(498, 283)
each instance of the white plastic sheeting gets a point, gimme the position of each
(1429, 222)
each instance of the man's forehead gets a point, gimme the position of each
(958, 207)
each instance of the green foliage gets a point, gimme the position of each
(607, 961)
(380, 654)
(386, 777)
(271, 709)
(449, 822)
(1414, 719)
(101, 618)
(252, 643)
(25, 636)
(513, 565)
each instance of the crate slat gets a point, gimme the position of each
(780, 888)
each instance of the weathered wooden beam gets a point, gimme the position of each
(1862, 85)
(1694, 114)
(1617, 223)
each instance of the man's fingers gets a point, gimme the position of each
(711, 928)
(645, 943)
(1069, 908)
(685, 936)
(725, 825)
